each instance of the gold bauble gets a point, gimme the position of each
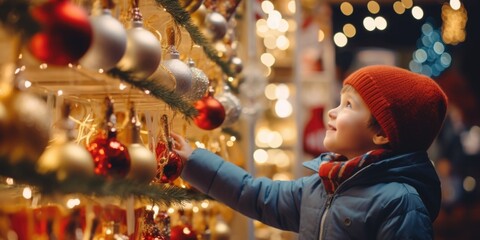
(143, 165)
(24, 126)
(143, 53)
(67, 160)
(198, 17)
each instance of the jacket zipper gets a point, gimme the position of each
(324, 215)
(329, 202)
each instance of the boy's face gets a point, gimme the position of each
(347, 129)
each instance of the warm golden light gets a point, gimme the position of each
(346, 8)
(407, 3)
(398, 7)
(321, 35)
(373, 7)
(340, 39)
(349, 30)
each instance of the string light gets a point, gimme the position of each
(430, 58)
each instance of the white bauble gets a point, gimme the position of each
(108, 45)
(179, 70)
(143, 53)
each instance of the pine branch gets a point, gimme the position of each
(24, 173)
(183, 18)
(175, 101)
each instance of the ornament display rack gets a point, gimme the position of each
(86, 91)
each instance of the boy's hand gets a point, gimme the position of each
(181, 146)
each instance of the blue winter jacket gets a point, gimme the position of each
(395, 198)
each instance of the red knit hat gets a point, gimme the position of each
(408, 106)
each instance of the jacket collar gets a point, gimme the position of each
(314, 164)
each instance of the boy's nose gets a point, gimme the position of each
(332, 113)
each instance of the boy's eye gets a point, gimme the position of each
(348, 105)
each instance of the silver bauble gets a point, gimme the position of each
(216, 24)
(67, 160)
(108, 45)
(24, 125)
(200, 83)
(180, 71)
(232, 105)
(143, 53)
(143, 165)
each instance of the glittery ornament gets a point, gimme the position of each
(216, 25)
(170, 163)
(110, 157)
(211, 112)
(66, 33)
(109, 42)
(143, 165)
(200, 83)
(176, 67)
(155, 230)
(232, 105)
(143, 53)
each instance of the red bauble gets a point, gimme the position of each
(183, 232)
(174, 166)
(211, 113)
(66, 32)
(110, 157)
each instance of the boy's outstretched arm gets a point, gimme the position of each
(272, 202)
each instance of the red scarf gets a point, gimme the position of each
(337, 168)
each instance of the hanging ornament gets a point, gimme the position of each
(143, 53)
(200, 82)
(232, 106)
(177, 68)
(24, 124)
(169, 162)
(64, 157)
(66, 32)
(216, 25)
(143, 165)
(198, 17)
(109, 42)
(150, 231)
(110, 157)
(314, 132)
(211, 112)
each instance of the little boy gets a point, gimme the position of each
(376, 183)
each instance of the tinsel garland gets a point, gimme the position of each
(24, 173)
